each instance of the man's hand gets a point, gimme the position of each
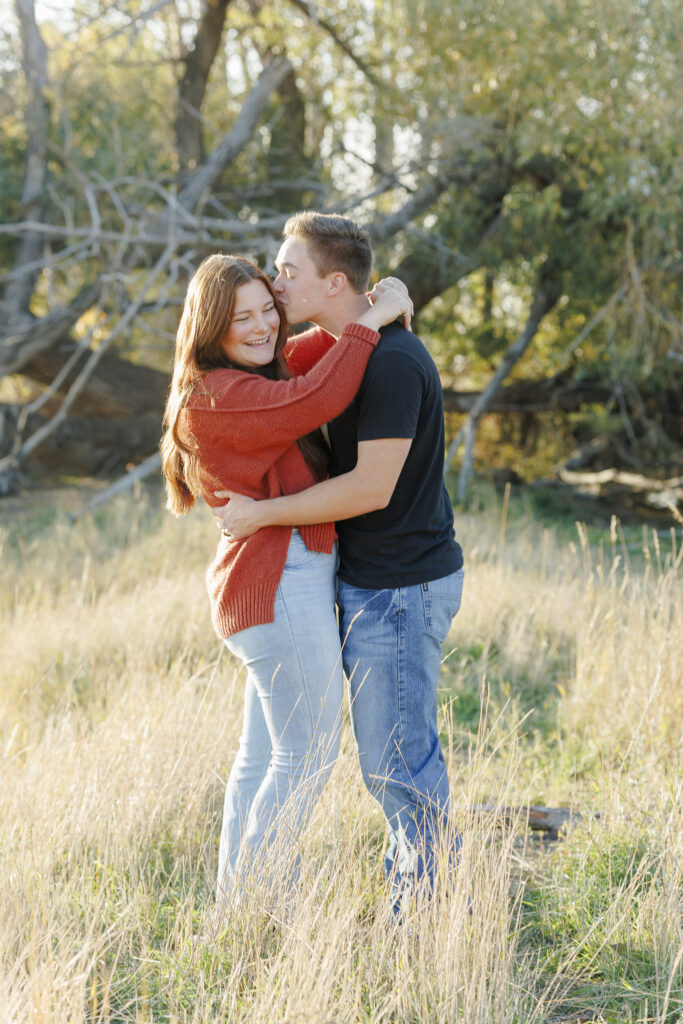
(239, 518)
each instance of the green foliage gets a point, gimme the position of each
(555, 128)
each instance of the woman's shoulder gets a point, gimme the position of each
(214, 385)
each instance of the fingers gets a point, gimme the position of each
(392, 288)
(390, 282)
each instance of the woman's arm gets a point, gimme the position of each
(368, 487)
(263, 415)
(304, 350)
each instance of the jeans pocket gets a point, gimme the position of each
(298, 553)
(441, 600)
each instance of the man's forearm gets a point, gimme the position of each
(338, 498)
(366, 488)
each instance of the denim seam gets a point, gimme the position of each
(400, 683)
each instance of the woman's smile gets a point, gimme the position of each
(254, 326)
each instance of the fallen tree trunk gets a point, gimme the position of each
(133, 396)
(529, 396)
(609, 497)
(120, 388)
(554, 821)
(116, 388)
(86, 445)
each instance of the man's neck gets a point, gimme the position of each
(336, 318)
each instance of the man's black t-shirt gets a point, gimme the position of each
(411, 540)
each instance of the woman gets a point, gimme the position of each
(237, 419)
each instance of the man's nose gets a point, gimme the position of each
(277, 283)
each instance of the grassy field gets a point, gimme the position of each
(119, 717)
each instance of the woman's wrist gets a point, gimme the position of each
(372, 319)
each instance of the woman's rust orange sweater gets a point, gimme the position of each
(246, 428)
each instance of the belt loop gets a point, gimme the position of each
(425, 586)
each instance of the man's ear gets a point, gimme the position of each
(336, 282)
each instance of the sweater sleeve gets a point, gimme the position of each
(257, 413)
(303, 351)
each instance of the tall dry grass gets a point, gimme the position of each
(119, 717)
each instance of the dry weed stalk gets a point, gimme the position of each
(118, 722)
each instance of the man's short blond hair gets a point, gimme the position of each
(335, 243)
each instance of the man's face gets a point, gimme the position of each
(297, 285)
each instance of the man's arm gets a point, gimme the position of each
(366, 488)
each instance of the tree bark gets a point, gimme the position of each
(87, 445)
(561, 394)
(203, 180)
(192, 86)
(37, 120)
(546, 295)
(35, 335)
(287, 159)
(117, 388)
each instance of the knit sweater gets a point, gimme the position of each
(246, 428)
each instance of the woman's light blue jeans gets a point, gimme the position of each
(290, 732)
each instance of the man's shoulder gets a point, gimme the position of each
(401, 348)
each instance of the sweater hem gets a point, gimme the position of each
(253, 607)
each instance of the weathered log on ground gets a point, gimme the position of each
(564, 394)
(151, 466)
(116, 388)
(88, 445)
(529, 396)
(633, 481)
(632, 491)
(608, 494)
(554, 821)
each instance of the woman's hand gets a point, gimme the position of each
(240, 517)
(389, 299)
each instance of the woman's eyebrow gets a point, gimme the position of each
(241, 312)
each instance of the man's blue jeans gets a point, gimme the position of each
(391, 644)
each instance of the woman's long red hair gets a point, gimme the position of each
(204, 324)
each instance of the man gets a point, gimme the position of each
(400, 571)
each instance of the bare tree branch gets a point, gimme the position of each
(473, 135)
(37, 114)
(152, 464)
(33, 407)
(137, 20)
(593, 322)
(10, 462)
(309, 8)
(192, 86)
(547, 294)
(225, 152)
(35, 335)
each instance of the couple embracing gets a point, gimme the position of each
(329, 446)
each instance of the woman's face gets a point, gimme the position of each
(253, 332)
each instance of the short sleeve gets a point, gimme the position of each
(390, 397)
